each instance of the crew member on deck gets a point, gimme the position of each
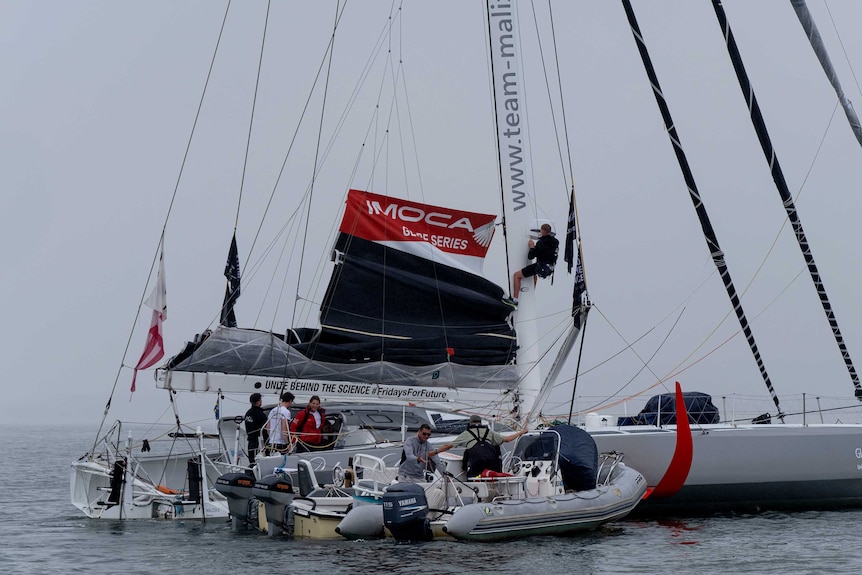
(307, 427)
(278, 424)
(417, 457)
(255, 425)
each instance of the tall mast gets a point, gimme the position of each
(781, 185)
(694, 194)
(819, 48)
(518, 199)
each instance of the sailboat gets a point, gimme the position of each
(410, 332)
(762, 462)
(409, 324)
(408, 316)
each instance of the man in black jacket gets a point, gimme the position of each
(255, 424)
(544, 251)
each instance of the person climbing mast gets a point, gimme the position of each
(544, 251)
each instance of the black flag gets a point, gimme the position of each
(571, 233)
(231, 294)
(579, 306)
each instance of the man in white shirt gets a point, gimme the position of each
(278, 425)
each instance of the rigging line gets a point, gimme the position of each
(843, 47)
(562, 100)
(339, 125)
(287, 154)
(645, 363)
(403, 76)
(621, 351)
(160, 245)
(705, 223)
(567, 141)
(363, 77)
(781, 185)
(385, 33)
(600, 406)
(547, 351)
(383, 39)
(310, 195)
(251, 118)
(257, 265)
(497, 140)
(401, 145)
(578, 368)
(819, 48)
(386, 144)
(526, 124)
(548, 89)
(796, 198)
(680, 368)
(287, 267)
(759, 267)
(381, 150)
(398, 73)
(401, 80)
(378, 46)
(383, 147)
(681, 307)
(817, 152)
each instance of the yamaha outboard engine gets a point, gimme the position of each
(405, 512)
(276, 492)
(236, 487)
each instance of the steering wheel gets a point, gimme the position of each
(515, 464)
(338, 476)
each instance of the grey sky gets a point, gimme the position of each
(99, 98)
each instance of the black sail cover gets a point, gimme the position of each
(407, 288)
(406, 304)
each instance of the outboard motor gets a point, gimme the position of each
(236, 487)
(276, 492)
(405, 513)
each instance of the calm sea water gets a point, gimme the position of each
(40, 532)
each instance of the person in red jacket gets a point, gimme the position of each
(307, 426)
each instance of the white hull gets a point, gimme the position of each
(161, 474)
(738, 467)
(747, 467)
(91, 488)
(553, 515)
(170, 479)
(519, 516)
(531, 501)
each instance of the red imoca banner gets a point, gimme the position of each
(452, 237)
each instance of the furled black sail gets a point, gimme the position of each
(406, 305)
(403, 289)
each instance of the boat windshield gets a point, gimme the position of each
(538, 447)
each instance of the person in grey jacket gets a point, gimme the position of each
(418, 457)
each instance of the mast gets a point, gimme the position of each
(702, 215)
(781, 185)
(518, 200)
(819, 48)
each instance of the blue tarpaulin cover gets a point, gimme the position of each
(698, 405)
